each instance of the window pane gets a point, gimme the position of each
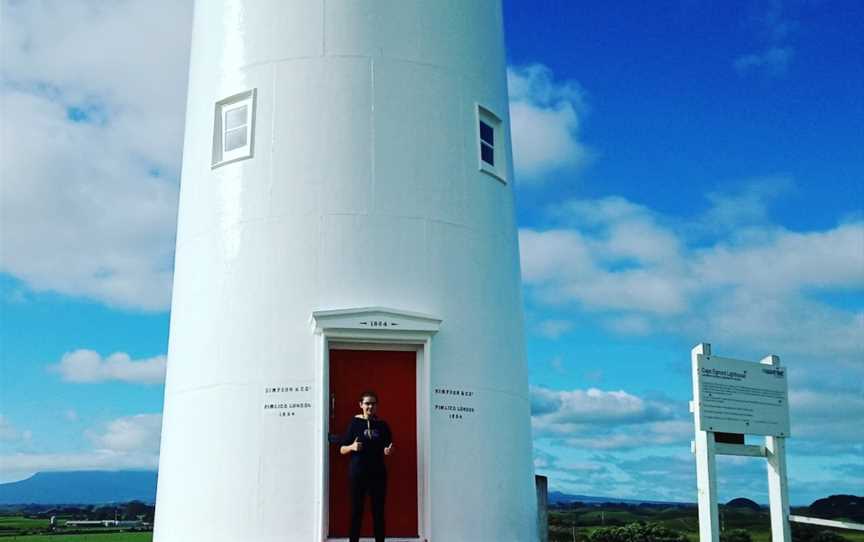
(234, 139)
(235, 117)
(487, 134)
(487, 154)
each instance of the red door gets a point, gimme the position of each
(392, 375)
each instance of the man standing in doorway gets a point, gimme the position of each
(368, 440)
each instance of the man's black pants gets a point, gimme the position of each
(376, 486)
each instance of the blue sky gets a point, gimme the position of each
(686, 171)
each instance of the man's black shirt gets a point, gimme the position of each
(375, 437)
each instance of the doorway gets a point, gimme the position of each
(393, 376)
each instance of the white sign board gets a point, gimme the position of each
(735, 396)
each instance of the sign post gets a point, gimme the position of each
(778, 492)
(706, 466)
(736, 397)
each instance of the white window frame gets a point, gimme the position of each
(223, 107)
(498, 170)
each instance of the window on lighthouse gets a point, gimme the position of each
(489, 143)
(236, 125)
(234, 128)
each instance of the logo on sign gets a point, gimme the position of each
(777, 372)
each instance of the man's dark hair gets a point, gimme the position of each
(368, 393)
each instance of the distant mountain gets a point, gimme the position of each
(741, 502)
(81, 487)
(556, 497)
(849, 507)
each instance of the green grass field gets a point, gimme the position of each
(19, 523)
(563, 524)
(94, 537)
(15, 527)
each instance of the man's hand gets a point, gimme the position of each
(357, 446)
(389, 449)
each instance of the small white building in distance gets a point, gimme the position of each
(346, 223)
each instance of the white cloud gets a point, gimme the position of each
(127, 60)
(663, 477)
(787, 322)
(554, 329)
(8, 432)
(92, 137)
(735, 279)
(126, 443)
(606, 420)
(623, 231)
(644, 272)
(563, 265)
(630, 324)
(545, 118)
(597, 406)
(544, 460)
(815, 414)
(788, 261)
(774, 30)
(553, 255)
(667, 477)
(674, 433)
(594, 375)
(139, 433)
(619, 257)
(774, 60)
(672, 476)
(734, 210)
(88, 366)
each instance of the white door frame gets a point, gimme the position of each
(373, 328)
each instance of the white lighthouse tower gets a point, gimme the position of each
(346, 223)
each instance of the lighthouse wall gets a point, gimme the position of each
(363, 189)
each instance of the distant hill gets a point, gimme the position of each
(741, 502)
(850, 507)
(102, 487)
(556, 497)
(81, 487)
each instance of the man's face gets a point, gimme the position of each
(369, 406)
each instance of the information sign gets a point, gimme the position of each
(735, 396)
